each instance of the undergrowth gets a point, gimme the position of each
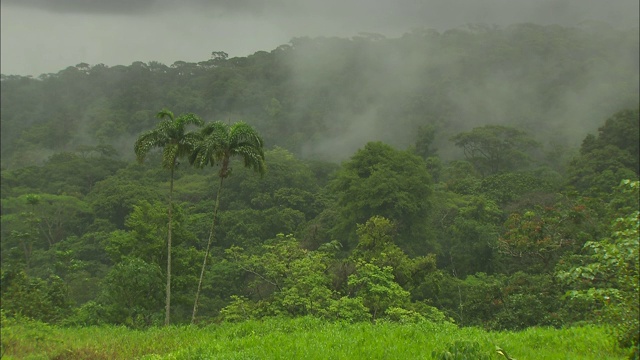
(302, 338)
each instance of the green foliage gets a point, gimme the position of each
(73, 174)
(175, 143)
(379, 180)
(494, 148)
(350, 309)
(529, 300)
(291, 280)
(63, 173)
(144, 239)
(220, 142)
(290, 182)
(18, 328)
(308, 338)
(169, 135)
(600, 170)
(609, 274)
(309, 90)
(621, 130)
(35, 298)
(466, 227)
(610, 157)
(402, 315)
(461, 177)
(89, 232)
(132, 294)
(462, 350)
(146, 231)
(536, 239)
(246, 228)
(510, 187)
(46, 218)
(240, 309)
(501, 302)
(424, 142)
(113, 199)
(377, 288)
(376, 246)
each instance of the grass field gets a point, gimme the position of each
(302, 338)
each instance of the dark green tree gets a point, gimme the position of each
(132, 293)
(220, 143)
(425, 138)
(171, 136)
(622, 130)
(40, 299)
(380, 180)
(610, 157)
(495, 148)
(608, 275)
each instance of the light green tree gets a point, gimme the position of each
(377, 288)
(292, 280)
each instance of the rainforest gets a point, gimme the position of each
(469, 192)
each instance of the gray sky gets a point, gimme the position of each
(44, 36)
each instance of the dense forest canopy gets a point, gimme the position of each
(326, 97)
(485, 176)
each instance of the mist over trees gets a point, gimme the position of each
(482, 176)
(327, 97)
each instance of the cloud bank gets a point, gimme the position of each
(40, 36)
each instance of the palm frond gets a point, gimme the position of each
(219, 142)
(165, 113)
(170, 135)
(146, 142)
(242, 132)
(169, 155)
(189, 119)
(252, 157)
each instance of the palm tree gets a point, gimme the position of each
(220, 142)
(169, 135)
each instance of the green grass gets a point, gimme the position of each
(303, 338)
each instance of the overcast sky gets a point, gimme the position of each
(45, 36)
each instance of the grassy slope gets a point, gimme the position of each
(298, 339)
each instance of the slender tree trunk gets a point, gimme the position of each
(168, 301)
(206, 253)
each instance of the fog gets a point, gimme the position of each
(45, 36)
(391, 93)
(558, 100)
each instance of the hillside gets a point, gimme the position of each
(324, 98)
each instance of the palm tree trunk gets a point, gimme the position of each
(206, 253)
(168, 301)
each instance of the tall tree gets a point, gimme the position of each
(170, 135)
(219, 143)
(380, 180)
